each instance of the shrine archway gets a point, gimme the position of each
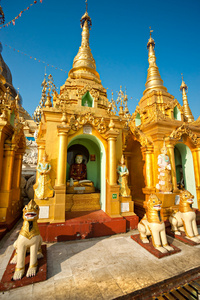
(96, 164)
(185, 169)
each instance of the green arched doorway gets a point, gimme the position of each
(185, 169)
(96, 169)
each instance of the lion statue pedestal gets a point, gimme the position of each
(185, 218)
(153, 225)
(29, 239)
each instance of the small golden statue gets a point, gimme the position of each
(29, 238)
(43, 189)
(165, 184)
(123, 172)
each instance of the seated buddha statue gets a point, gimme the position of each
(78, 171)
(78, 175)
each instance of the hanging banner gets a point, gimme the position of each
(34, 58)
(19, 15)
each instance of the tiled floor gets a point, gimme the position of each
(100, 268)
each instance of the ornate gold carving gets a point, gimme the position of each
(140, 136)
(78, 121)
(184, 129)
(88, 88)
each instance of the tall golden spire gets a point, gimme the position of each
(186, 108)
(84, 65)
(154, 81)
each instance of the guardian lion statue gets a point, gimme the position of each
(153, 225)
(185, 218)
(29, 239)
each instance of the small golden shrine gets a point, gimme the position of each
(160, 119)
(84, 141)
(14, 122)
(12, 147)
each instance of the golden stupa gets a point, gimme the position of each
(81, 121)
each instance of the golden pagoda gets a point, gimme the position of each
(12, 147)
(159, 120)
(91, 159)
(80, 122)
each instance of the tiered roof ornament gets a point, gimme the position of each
(154, 81)
(84, 65)
(121, 101)
(186, 108)
(45, 101)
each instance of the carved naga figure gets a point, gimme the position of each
(29, 239)
(153, 225)
(185, 218)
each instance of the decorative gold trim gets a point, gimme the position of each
(19, 269)
(184, 129)
(33, 266)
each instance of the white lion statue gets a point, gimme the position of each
(29, 239)
(153, 225)
(185, 218)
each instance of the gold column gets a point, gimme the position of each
(148, 152)
(62, 155)
(196, 160)
(112, 166)
(60, 186)
(170, 148)
(113, 206)
(17, 170)
(8, 162)
(2, 139)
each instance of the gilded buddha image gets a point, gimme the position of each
(123, 172)
(43, 189)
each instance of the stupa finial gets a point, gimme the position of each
(186, 108)
(84, 62)
(86, 4)
(86, 18)
(154, 80)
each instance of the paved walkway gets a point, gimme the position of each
(99, 268)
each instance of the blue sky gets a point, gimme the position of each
(51, 32)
